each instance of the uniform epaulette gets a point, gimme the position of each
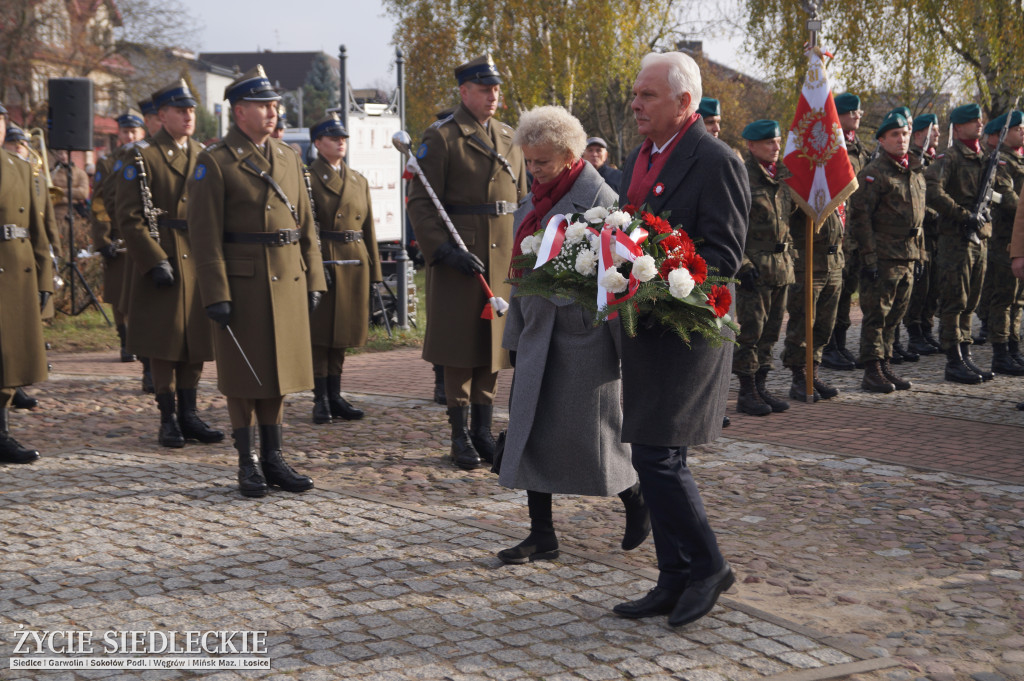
(214, 145)
(439, 123)
(508, 128)
(141, 144)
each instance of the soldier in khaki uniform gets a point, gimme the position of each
(953, 183)
(26, 284)
(920, 317)
(260, 273)
(341, 199)
(887, 212)
(478, 174)
(105, 238)
(836, 355)
(1005, 294)
(766, 272)
(169, 324)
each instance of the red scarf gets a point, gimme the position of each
(903, 160)
(545, 196)
(973, 145)
(643, 179)
(770, 168)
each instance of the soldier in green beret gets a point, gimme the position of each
(836, 355)
(887, 214)
(710, 110)
(920, 317)
(766, 272)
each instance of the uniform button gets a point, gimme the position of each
(22, 209)
(1, 270)
(28, 269)
(184, 256)
(494, 245)
(268, 206)
(359, 217)
(273, 279)
(184, 199)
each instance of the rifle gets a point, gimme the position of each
(150, 213)
(980, 210)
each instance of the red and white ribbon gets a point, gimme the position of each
(554, 237)
(612, 242)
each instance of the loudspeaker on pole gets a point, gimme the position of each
(70, 115)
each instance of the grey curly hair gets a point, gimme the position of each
(551, 125)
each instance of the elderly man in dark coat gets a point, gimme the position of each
(674, 395)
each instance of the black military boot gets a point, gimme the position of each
(193, 427)
(277, 472)
(170, 431)
(761, 384)
(798, 388)
(749, 400)
(464, 454)
(321, 407)
(480, 430)
(147, 377)
(22, 400)
(1002, 361)
(340, 408)
(982, 336)
(833, 357)
(122, 334)
(917, 342)
(965, 352)
(904, 353)
(251, 482)
(826, 391)
(957, 371)
(10, 450)
(840, 336)
(542, 543)
(897, 381)
(638, 518)
(874, 380)
(929, 338)
(1014, 348)
(439, 395)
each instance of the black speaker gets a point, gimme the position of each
(70, 119)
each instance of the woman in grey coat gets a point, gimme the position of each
(565, 418)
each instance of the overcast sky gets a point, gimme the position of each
(308, 25)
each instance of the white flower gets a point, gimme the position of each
(613, 281)
(680, 283)
(618, 219)
(586, 262)
(644, 268)
(576, 232)
(596, 214)
(530, 244)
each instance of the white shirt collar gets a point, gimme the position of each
(655, 149)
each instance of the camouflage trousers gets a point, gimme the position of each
(825, 294)
(1005, 299)
(851, 279)
(759, 314)
(924, 297)
(884, 302)
(961, 275)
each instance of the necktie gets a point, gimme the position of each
(650, 161)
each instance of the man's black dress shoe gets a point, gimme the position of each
(658, 601)
(700, 596)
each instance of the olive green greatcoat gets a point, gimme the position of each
(168, 323)
(266, 285)
(50, 226)
(462, 172)
(887, 211)
(25, 270)
(342, 205)
(104, 233)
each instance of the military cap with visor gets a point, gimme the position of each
(176, 94)
(995, 126)
(965, 114)
(847, 102)
(251, 86)
(480, 70)
(709, 106)
(761, 130)
(328, 126)
(924, 120)
(893, 120)
(146, 106)
(130, 119)
(15, 134)
(3, 111)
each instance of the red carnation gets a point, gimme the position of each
(671, 244)
(698, 267)
(719, 299)
(629, 208)
(668, 265)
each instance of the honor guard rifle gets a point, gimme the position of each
(980, 210)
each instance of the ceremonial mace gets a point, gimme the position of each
(495, 305)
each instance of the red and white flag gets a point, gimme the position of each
(816, 150)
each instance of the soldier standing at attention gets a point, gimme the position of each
(1006, 295)
(259, 273)
(710, 110)
(470, 162)
(766, 272)
(26, 284)
(105, 238)
(923, 305)
(169, 325)
(953, 183)
(836, 356)
(341, 202)
(887, 212)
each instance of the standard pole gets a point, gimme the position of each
(402, 258)
(809, 308)
(343, 85)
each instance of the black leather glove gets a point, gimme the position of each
(328, 277)
(314, 299)
(162, 274)
(973, 223)
(918, 269)
(220, 313)
(869, 273)
(748, 278)
(109, 251)
(44, 297)
(463, 261)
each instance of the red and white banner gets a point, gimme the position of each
(816, 149)
(554, 237)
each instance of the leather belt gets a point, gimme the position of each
(171, 223)
(343, 237)
(9, 232)
(832, 250)
(496, 208)
(281, 237)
